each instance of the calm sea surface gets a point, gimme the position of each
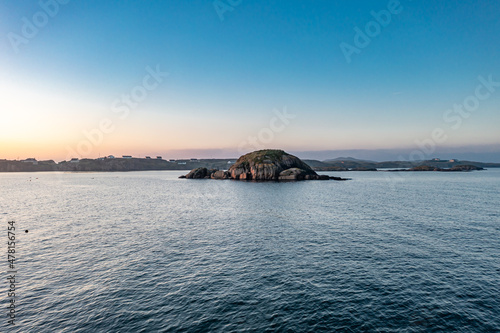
(147, 252)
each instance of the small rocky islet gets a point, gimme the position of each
(457, 168)
(263, 165)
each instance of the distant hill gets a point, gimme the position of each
(111, 164)
(350, 159)
(485, 154)
(142, 164)
(357, 165)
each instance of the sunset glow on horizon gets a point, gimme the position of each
(174, 78)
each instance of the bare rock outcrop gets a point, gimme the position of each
(220, 175)
(198, 173)
(268, 165)
(293, 174)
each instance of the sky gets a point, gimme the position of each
(221, 78)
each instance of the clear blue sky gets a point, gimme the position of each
(230, 66)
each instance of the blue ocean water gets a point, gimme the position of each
(148, 252)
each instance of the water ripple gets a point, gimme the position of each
(146, 252)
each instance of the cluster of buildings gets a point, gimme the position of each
(440, 160)
(192, 160)
(30, 160)
(77, 160)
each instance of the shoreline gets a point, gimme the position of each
(142, 164)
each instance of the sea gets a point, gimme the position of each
(149, 252)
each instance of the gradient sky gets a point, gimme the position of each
(226, 78)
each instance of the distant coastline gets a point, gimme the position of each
(128, 163)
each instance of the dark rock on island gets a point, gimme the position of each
(200, 173)
(220, 175)
(363, 169)
(424, 168)
(263, 165)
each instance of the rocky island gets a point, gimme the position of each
(263, 165)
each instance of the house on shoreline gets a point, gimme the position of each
(30, 160)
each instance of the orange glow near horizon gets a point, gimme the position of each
(46, 125)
